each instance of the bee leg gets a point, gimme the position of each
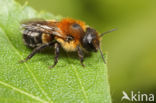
(57, 51)
(37, 49)
(80, 54)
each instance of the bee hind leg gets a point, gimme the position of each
(81, 56)
(57, 51)
(36, 50)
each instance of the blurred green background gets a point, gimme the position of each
(131, 49)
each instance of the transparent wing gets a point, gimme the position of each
(42, 26)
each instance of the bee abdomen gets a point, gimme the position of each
(32, 39)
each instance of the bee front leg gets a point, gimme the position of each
(80, 54)
(57, 51)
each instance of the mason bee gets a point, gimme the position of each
(70, 34)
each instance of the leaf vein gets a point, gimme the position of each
(81, 85)
(23, 92)
(31, 73)
(80, 82)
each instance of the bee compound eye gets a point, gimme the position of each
(89, 38)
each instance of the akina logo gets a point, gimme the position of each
(137, 96)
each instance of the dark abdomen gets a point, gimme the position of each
(31, 38)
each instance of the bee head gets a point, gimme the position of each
(90, 40)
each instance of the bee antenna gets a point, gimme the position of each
(102, 34)
(102, 55)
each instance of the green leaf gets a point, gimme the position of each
(32, 81)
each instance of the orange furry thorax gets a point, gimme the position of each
(65, 27)
(64, 23)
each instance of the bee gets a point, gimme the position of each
(70, 34)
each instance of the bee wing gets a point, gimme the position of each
(42, 26)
